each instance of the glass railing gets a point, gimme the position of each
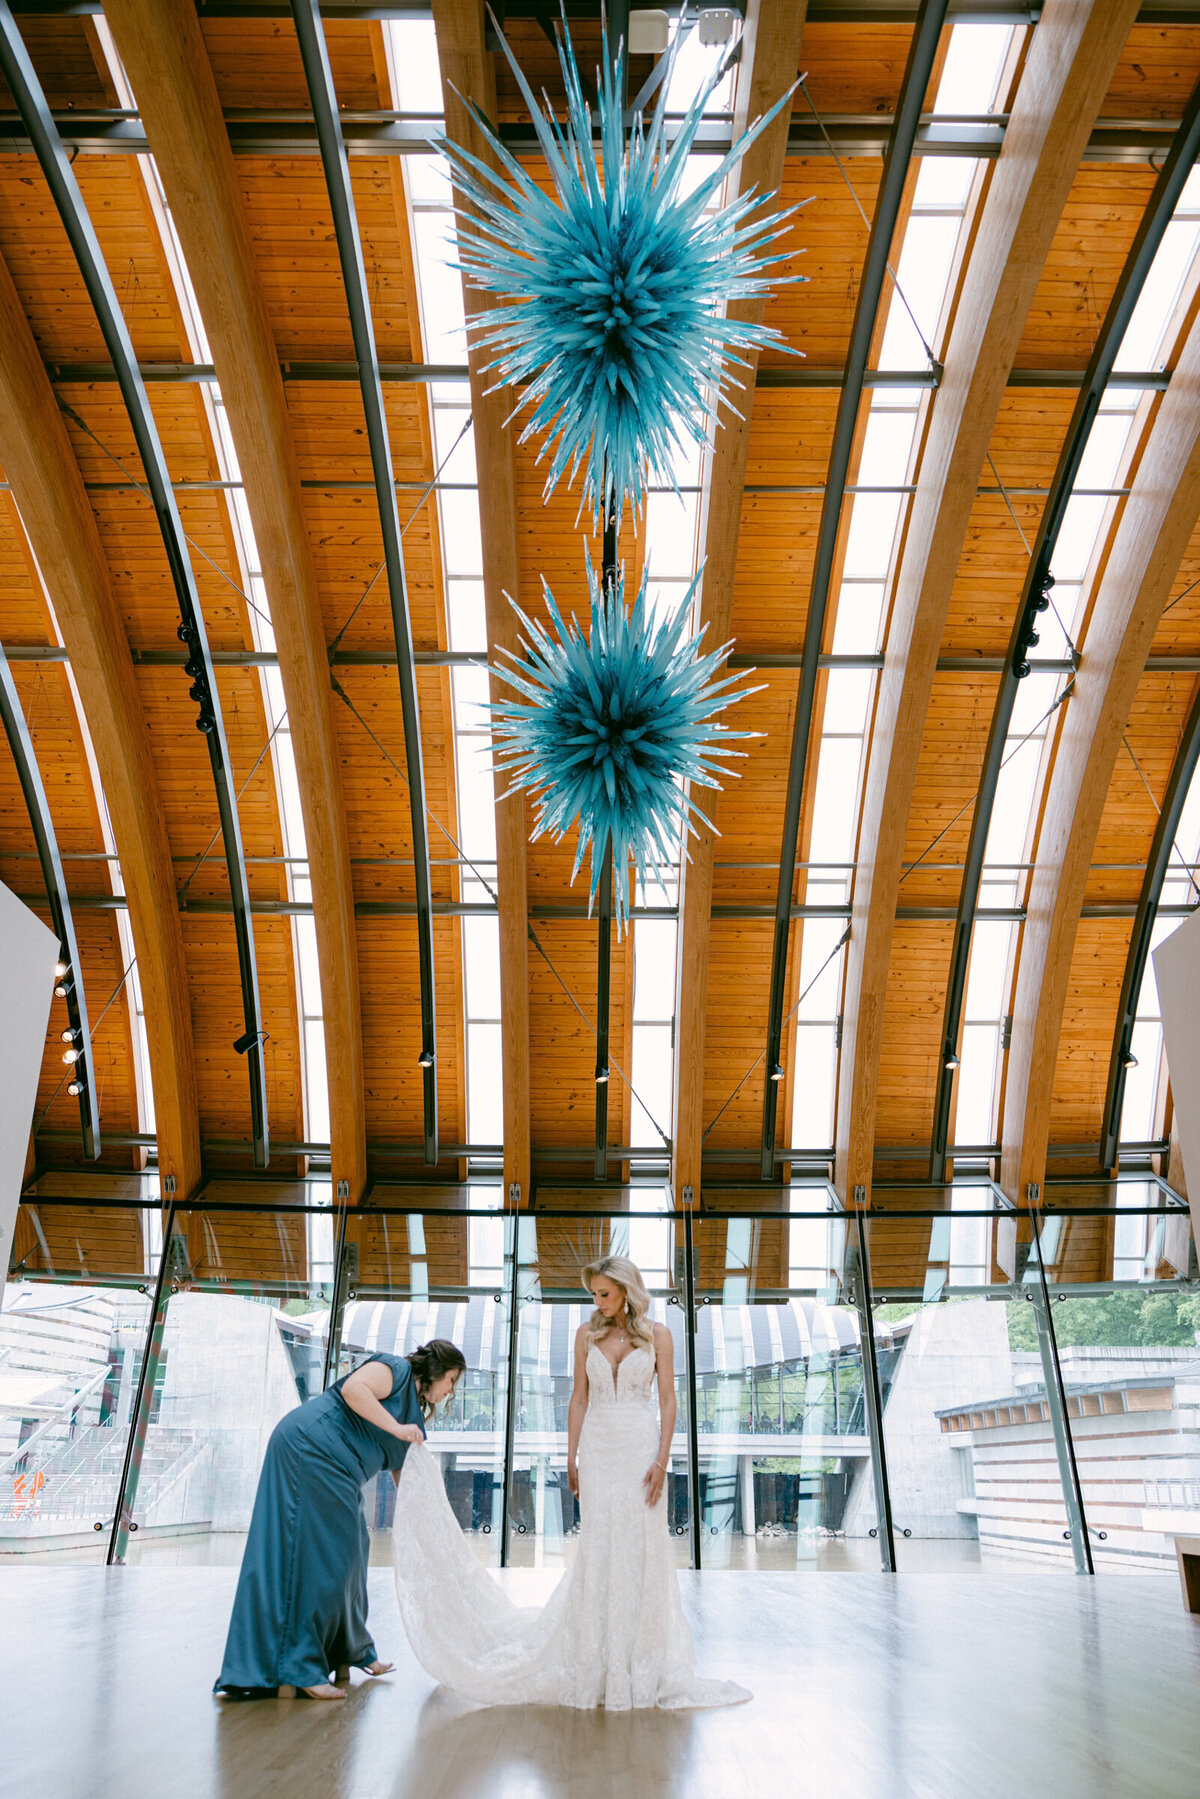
(1035, 1379)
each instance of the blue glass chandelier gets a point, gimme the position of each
(609, 726)
(614, 288)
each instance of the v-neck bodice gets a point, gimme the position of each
(629, 1381)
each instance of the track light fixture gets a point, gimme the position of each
(425, 1059)
(1129, 1060)
(248, 1040)
(62, 988)
(60, 969)
(206, 723)
(69, 1035)
(74, 1088)
(1027, 637)
(186, 631)
(601, 1074)
(952, 1060)
(777, 1072)
(71, 1056)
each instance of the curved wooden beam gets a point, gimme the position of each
(1154, 531)
(48, 489)
(467, 73)
(1071, 58)
(1138, 263)
(163, 50)
(30, 99)
(770, 58)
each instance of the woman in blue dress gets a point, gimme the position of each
(300, 1610)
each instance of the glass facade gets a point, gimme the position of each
(940, 1383)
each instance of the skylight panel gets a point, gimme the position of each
(869, 541)
(462, 546)
(416, 74)
(481, 956)
(835, 808)
(887, 447)
(848, 695)
(926, 261)
(975, 59)
(859, 616)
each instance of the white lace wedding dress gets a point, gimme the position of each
(613, 1632)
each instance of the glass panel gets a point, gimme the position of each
(543, 1512)
(785, 1467)
(417, 1276)
(1127, 1327)
(70, 1357)
(242, 1343)
(971, 1461)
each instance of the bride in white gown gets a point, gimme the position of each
(613, 1632)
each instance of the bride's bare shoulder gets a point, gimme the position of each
(662, 1337)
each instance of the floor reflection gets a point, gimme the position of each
(544, 1752)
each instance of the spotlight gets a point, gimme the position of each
(60, 969)
(74, 1088)
(242, 1044)
(1129, 1060)
(193, 667)
(69, 1035)
(71, 1056)
(952, 1060)
(601, 1074)
(777, 1072)
(186, 632)
(206, 723)
(198, 691)
(425, 1059)
(61, 989)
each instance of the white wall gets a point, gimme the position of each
(28, 953)
(1177, 973)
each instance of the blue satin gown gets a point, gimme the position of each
(300, 1610)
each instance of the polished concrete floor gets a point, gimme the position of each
(919, 1686)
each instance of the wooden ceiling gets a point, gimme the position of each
(1054, 277)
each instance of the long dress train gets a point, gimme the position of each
(613, 1632)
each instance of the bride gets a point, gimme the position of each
(613, 1632)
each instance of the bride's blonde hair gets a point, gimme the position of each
(628, 1276)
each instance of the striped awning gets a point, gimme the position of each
(729, 1338)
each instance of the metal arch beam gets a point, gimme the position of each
(1184, 767)
(921, 57)
(1155, 219)
(21, 744)
(1066, 74)
(1151, 538)
(22, 79)
(770, 57)
(314, 55)
(163, 50)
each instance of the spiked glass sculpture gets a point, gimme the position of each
(609, 726)
(614, 288)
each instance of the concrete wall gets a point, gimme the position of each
(957, 1353)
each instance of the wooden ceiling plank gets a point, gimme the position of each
(57, 518)
(162, 47)
(1071, 58)
(769, 63)
(1151, 539)
(468, 74)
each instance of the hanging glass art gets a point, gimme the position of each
(609, 727)
(614, 287)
